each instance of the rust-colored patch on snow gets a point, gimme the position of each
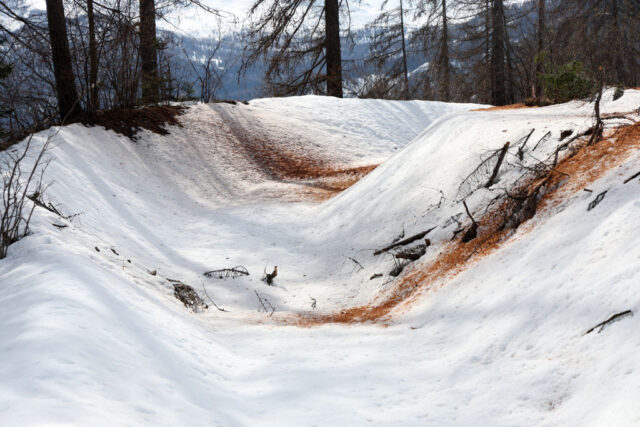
(318, 177)
(584, 167)
(505, 107)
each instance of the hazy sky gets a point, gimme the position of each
(195, 21)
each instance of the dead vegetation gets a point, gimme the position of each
(583, 164)
(130, 121)
(188, 296)
(506, 107)
(227, 273)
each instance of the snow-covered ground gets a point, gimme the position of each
(89, 337)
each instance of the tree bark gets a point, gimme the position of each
(63, 71)
(498, 53)
(148, 53)
(404, 54)
(617, 44)
(332, 48)
(487, 52)
(541, 32)
(93, 60)
(444, 55)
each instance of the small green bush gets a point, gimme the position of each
(567, 82)
(618, 93)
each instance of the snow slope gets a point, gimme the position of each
(91, 338)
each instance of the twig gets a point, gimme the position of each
(212, 302)
(273, 309)
(464, 202)
(615, 317)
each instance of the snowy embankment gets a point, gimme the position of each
(90, 337)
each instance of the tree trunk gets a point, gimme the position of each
(444, 55)
(541, 31)
(617, 45)
(332, 48)
(510, 86)
(487, 43)
(498, 53)
(93, 60)
(62, 69)
(148, 54)
(404, 54)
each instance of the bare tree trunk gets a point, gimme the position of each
(444, 55)
(93, 60)
(332, 48)
(541, 31)
(617, 39)
(148, 53)
(62, 68)
(487, 42)
(510, 86)
(498, 54)
(404, 54)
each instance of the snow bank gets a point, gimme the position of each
(90, 337)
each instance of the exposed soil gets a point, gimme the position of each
(505, 107)
(585, 166)
(317, 173)
(129, 122)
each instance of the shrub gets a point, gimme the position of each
(618, 93)
(567, 82)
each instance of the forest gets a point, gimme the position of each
(78, 58)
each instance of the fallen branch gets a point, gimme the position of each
(631, 178)
(355, 261)
(211, 300)
(225, 273)
(405, 241)
(188, 296)
(414, 254)
(521, 147)
(264, 307)
(472, 232)
(496, 169)
(596, 201)
(614, 318)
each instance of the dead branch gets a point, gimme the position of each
(614, 318)
(524, 143)
(355, 261)
(211, 300)
(599, 126)
(542, 140)
(225, 273)
(496, 169)
(414, 254)
(264, 303)
(632, 177)
(188, 296)
(268, 277)
(596, 201)
(404, 242)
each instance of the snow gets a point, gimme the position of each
(90, 338)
